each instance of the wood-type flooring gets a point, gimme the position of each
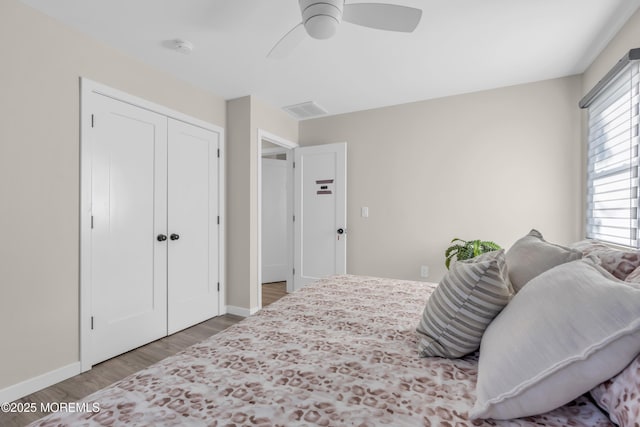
(112, 370)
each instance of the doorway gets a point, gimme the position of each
(275, 215)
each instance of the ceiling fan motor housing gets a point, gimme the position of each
(321, 18)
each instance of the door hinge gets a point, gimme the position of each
(218, 153)
(92, 222)
(218, 286)
(91, 322)
(294, 165)
(92, 120)
(294, 271)
(218, 219)
(294, 218)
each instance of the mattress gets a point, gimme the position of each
(340, 352)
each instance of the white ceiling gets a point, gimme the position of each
(459, 46)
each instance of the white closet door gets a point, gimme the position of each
(128, 206)
(193, 228)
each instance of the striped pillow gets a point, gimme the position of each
(467, 299)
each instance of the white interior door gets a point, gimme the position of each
(320, 212)
(192, 225)
(275, 248)
(128, 208)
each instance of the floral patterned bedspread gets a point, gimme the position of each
(340, 352)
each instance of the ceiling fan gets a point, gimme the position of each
(320, 20)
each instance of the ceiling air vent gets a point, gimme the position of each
(306, 110)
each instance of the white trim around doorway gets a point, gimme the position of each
(287, 146)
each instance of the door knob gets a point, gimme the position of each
(161, 237)
(174, 236)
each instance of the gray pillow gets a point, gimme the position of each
(567, 331)
(470, 295)
(532, 255)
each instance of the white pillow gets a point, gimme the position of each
(567, 331)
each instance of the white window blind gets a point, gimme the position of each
(612, 175)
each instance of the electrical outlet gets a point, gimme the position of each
(424, 271)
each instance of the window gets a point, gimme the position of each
(612, 156)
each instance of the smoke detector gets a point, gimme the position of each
(182, 46)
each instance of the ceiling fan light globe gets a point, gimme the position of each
(321, 17)
(321, 26)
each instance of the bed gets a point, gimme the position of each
(340, 352)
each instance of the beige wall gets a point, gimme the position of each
(238, 131)
(244, 117)
(488, 165)
(273, 120)
(39, 177)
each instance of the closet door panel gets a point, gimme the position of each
(192, 225)
(129, 210)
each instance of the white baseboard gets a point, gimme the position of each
(241, 311)
(34, 384)
(238, 311)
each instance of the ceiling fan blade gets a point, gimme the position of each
(382, 16)
(288, 42)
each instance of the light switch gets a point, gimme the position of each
(364, 212)
(424, 271)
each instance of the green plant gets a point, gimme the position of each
(467, 249)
